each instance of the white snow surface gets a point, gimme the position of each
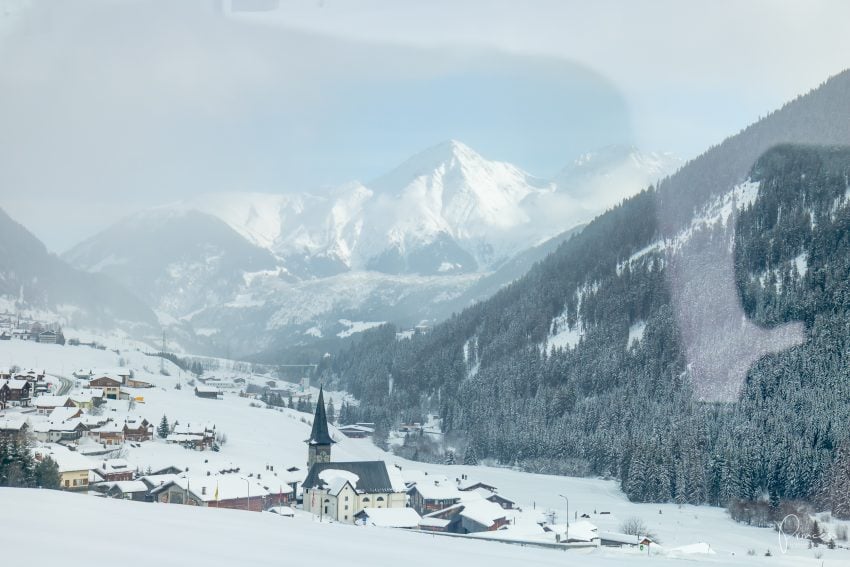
(259, 438)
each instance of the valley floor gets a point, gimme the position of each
(82, 530)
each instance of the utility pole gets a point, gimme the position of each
(162, 356)
(568, 515)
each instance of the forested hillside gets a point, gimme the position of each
(598, 361)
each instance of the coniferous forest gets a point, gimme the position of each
(630, 409)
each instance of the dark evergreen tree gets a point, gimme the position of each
(163, 429)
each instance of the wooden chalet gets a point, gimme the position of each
(110, 433)
(203, 391)
(427, 497)
(17, 392)
(113, 470)
(137, 429)
(110, 387)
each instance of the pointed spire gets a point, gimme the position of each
(320, 434)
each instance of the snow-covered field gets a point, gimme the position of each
(257, 437)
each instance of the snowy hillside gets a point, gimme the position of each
(258, 438)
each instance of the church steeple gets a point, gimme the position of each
(319, 443)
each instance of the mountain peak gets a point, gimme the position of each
(447, 155)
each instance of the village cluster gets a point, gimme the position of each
(69, 425)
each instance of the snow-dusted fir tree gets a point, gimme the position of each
(163, 429)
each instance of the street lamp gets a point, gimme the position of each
(568, 515)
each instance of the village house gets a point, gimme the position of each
(13, 425)
(471, 516)
(17, 392)
(131, 382)
(388, 517)
(616, 539)
(66, 431)
(219, 491)
(87, 400)
(430, 496)
(63, 413)
(5, 393)
(112, 470)
(44, 405)
(48, 337)
(137, 429)
(110, 387)
(198, 436)
(356, 431)
(110, 433)
(125, 489)
(74, 469)
(204, 391)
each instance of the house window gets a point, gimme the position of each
(380, 499)
(67, 483)
(346, 498)
(326, 509)
(346, 506)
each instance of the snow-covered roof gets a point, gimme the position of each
(114, 465)
(429, 522)
(482, 512)
(65, 425)
(50, 401)
(438, 490)
(207, 389)
(415, 476)
(230, 487)
(582, 530)
(620, 538)
(282, 511)
(184, 437)
(128, 486)
(336, 479)
(109, 427)
(62, 413)
(13, 422)
(67, 460)
(194, 428)
(15, 384)
(390, 517)
(82, 397)
(121, 372)
(359, 428)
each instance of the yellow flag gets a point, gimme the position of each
(216, 491)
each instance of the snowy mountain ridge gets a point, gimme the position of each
(448, 195)
(395, 249)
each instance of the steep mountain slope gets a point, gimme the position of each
(177, 261)
(250, 271)
(597, 360)
(32, 279)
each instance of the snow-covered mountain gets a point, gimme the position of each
(36, 283)
(251, 264)
(603, 178)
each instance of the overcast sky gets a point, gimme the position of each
(110, 107)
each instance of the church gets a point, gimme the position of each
(341, 490)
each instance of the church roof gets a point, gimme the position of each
(372, 476)
(320, 434)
